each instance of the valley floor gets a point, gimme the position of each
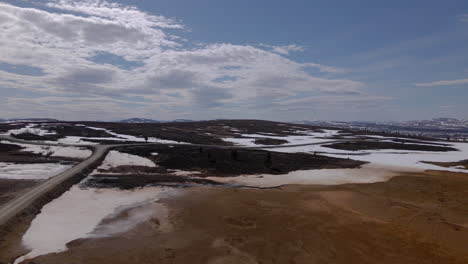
(412, 218)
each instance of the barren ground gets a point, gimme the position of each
(414, 218)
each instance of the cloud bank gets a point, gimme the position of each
(100, 60)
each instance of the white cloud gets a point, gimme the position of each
(127, 15)
(172, 77)
(325, 68)
(285, 50)
(443, 83)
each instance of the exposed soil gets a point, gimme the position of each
(232, 162)
(411, 219)
(270, 141)
(372, 145)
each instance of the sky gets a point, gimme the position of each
(362, 60)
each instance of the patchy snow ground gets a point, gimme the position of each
(79, 213)
(403, 159)
(54, 151)
(37, 171)
(32, 129)
(76, 140)
(122, 137)
(367, 174)
(309, 137)
(115, 158)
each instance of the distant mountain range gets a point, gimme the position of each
(438, 127)
(139, 120)
(129, 121)
(146, 120)
(14, 120)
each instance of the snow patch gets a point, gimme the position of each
(366, 174)
(184, 173)
(115, 158)
(79, 212)
(38, 171)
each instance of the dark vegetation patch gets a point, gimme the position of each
(135, 169)
(373, 145)
(270, 141)
(9, 147)
(463, 163)
(212, 161)
(130, 181)
(77, 131)
(418, 142)
(29, 136)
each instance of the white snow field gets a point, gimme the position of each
(37, 171)
(309, 137)
(115, 158)
(79, 213)
(366, 174)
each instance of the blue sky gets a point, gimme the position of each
(279, 60)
